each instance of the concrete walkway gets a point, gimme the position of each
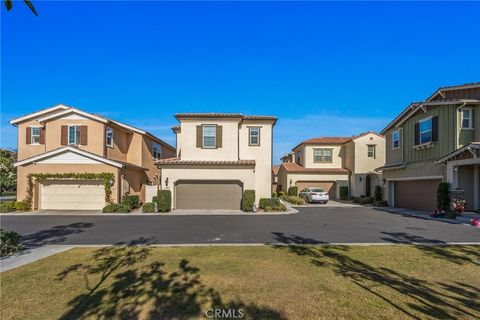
(30, 255)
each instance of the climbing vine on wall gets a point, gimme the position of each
(105, 176)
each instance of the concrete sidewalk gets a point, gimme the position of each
(30, 255)
(464, 218)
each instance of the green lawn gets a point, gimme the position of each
(296, 282)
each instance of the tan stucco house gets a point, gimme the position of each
(332, 162)
(433, 141)
(218, 157)
(63, 152)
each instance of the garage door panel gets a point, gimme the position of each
(208, 195)
(328, 186)
(416, 194)
(72, 195)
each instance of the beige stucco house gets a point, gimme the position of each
(218, 157)
(60, 141)
(332, 162)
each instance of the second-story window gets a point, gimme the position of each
(156, 151)
(426, 130)
(322, 155)
(395, 139)
(35, 135)
(109, 137)
(467, 118)
(74, 134)
(371, 151)
(254, 136)
(209, 136)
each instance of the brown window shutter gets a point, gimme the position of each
(64, 136)
(199, 136)
(435, 129)
(83, 135)
(29, 135)
(42, 135)
(219, 137)
(417, 133)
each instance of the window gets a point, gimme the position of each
(254, 136)
(156, 151)
(322, 155)
(35, 135)
(426, 130)
(371, 151)
(109, 137)
(395, 139)
(466, 118)
(209, 136)
(73, 134)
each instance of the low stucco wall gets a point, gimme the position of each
(244, 174)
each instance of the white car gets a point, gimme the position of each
(314, 195)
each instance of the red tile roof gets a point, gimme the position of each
(224, 115)
(293, 167)
(178, 160)
(275, 169)
(328, 140)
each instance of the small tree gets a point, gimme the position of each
(443, 196)
(248, 200)
(377, 193)
(343, 192)
(293, 191)
(8, 173)
(164, 200)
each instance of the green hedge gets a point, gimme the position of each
(377, 193)
(9, 242)
(7, 206)
(293, 191)
(268, 202)
(343, 192)
(293, 200)
(278, 207)
(281, 193)
(149, 207)
(164, 200)
(248, 200)
(132, 201)
(23, 205)
(443, 196)
(363, 200)
(116, 208)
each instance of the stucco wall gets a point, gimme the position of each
(393, 156)
(363, 163)
(338, 152)
(121, 144)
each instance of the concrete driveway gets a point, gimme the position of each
(310, 225)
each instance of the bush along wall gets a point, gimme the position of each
(377, 193)
(343, 192)
(164, 200)
(248, 200)
(133, 201)
(293, 191)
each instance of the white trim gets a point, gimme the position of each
(420, 130)
(106, 135)
(393, 140)
(38, 113)
(73, 110)
(470, 122)
(203, 136)
(68, 148)
(126, 126)
(416, 178)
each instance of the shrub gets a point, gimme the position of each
(363, 200)
(278, 207)
(9, 242)
(132, 202)
(382, 203)
(293, 191)
(268, 202)
(110, 208)
(293, 200)
(148, 207)
(377, 193)
(7, 206)
(164, 200)
(23, 205)
(248, 200)
(123, 208)
(281, 193)
(343, 192)
(443, 196)
(274, 194)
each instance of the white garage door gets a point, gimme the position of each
(72, 195)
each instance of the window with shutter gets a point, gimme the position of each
(209, 136)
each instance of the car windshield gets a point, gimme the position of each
(317, 190)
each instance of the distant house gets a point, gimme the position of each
(433, 141)
(334, 162)
(275, 170)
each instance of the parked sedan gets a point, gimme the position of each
(314, 195)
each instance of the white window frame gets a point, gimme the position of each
(420, 130)
(33, 136)
(251, 135)
(156, 149)
(397, 132)
(214, 126)
(109, 131)
(373, 151)
(470, 122)
(323, 156)
(77, 135)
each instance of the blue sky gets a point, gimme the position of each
(322, 68)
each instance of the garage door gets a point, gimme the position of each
(329, 186)
(72, 195)
(208, 195)
(416, 194)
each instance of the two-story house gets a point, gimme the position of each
(332, 162)
(433, 141)
(218, 157)
(57, 142)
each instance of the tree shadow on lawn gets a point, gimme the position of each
(119, 285)
(425, 297)
(54, 235)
